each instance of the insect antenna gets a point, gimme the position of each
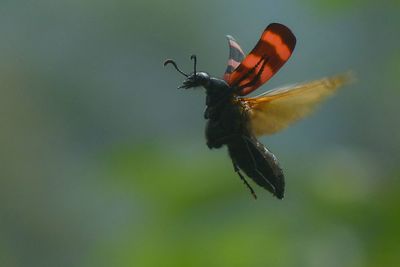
(170, 61)
(193, 57)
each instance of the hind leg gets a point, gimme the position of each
(247, 141)
(253, 159)
(237, 170)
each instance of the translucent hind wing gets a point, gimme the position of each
(275, 110)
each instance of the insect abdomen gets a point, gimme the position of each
(258, 163)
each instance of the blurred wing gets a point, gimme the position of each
(236, 56)
(275, 110)
(273, 49)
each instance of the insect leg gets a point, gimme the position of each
(237, 170)
(245, 139)
(220, 141)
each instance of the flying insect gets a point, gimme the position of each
(236, 121)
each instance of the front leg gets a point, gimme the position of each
(216, 134)
(219, 142)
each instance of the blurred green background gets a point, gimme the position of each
(104, 163)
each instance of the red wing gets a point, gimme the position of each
(236, 56)
(273, 49)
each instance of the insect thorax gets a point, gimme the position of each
(217, 91)
(219, 94)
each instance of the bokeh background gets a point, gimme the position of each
(104, 163)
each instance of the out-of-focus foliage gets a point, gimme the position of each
(103, 162)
